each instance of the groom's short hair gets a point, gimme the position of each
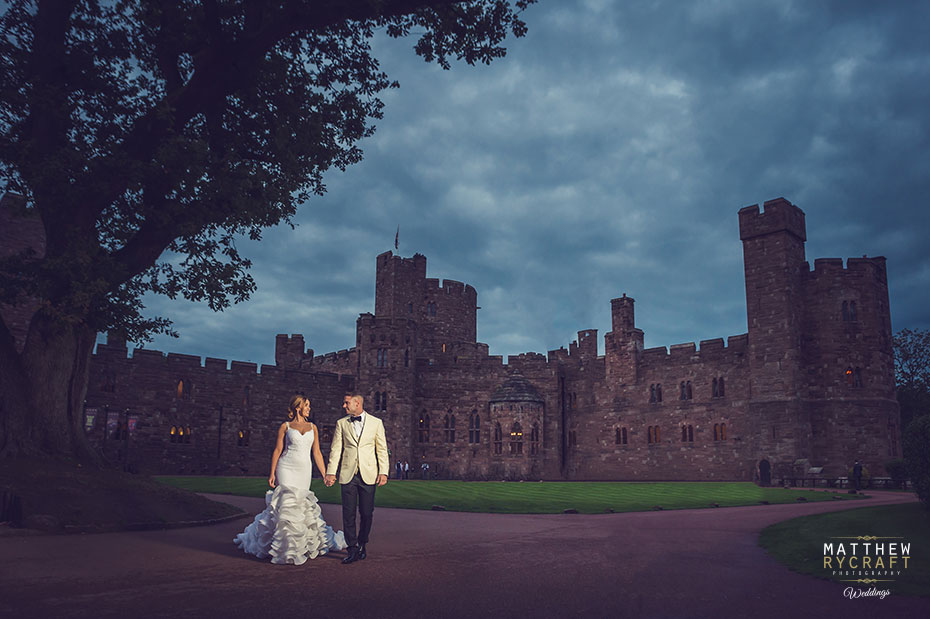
(357, 396)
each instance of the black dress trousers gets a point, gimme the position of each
(357, 496)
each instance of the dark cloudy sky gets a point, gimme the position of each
(609, 153)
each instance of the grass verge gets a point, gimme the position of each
(533, 497)
(799, 544)
(60, 496)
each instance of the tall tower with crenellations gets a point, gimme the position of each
(773, 261)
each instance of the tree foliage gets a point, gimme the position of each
(148, 135)
(912, 373)
(917, 456)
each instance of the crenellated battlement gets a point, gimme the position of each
(831, 267)
(778, 215)
(688, 352)
(176, 363)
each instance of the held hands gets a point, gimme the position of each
(382, 479)
(329, 480)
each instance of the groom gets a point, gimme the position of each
(359, 442)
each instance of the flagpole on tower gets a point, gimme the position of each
(397, 237)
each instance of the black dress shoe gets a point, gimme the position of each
(361, 552)
(352, 557)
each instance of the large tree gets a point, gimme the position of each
(137, 129)
(912, 373)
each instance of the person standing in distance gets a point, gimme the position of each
(359, 453)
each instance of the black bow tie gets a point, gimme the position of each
(359, 418)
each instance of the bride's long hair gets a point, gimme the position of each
(294, 406)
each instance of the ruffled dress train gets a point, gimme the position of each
(291, 528)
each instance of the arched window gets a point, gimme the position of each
(713, 390)
(423, 428)
(850, 378)
(652, 393)
(845, 311)
(174, 434)
(180, 389)
(246, 396)
(682, 394)
(653, 435)
(857, 377)
(498, 439)
(852, 312)
(720, 388)
(716, 431)
(407, 358)
(474, 423)
(384, 400)
(534, 440)
(516, 439)
(449, 426)
(723, 431)
(410, 308)
(187, 435)
(688, 393)
(658, 392)
(687, 433)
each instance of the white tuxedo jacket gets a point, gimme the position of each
(366, 454)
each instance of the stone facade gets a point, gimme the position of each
(810, 385)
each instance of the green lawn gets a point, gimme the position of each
(798, 543)
(533, 497)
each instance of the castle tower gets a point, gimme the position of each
(773, 260)
(773, 257)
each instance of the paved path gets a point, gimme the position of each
(689, 563)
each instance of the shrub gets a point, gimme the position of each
(917, 456)
(897, 471)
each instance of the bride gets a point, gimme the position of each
(291, 529)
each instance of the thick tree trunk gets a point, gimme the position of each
(42, 391)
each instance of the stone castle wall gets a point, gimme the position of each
(809, 384)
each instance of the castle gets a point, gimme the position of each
(810, 385)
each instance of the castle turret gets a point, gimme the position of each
(773, 257)
(624, 343)
(289, 352)
(445, 312)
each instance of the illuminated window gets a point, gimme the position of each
(174, 434)
(516, 439)
(423, 428)
(242, 438)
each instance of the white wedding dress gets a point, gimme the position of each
(291, 529)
